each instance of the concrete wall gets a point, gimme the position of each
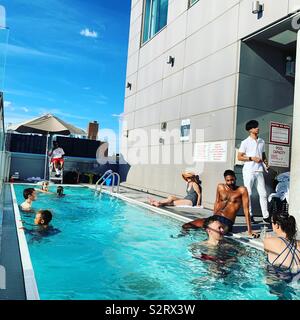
(202, 86)
(192, 89)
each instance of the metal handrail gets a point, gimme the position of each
(102, 177)
(110, 174)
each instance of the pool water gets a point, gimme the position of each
(110, 249)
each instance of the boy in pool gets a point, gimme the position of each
(41, 227)
(215, 232)
(43, 218)
(60, 191)
(29, 195)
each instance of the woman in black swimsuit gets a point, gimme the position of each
(192, 198)
(283, 249)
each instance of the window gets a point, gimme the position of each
(155, 17)
(191, 2)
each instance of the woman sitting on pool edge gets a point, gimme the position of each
(193, 190)
(283, 249)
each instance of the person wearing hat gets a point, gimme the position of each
(192, 198)
(252, 152)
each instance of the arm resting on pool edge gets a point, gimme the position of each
(195, 224)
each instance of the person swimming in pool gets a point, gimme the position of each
(229, 199)
(220, 253)
(60, 191)
(29, 195)
(215, 233)
(193, 190)
(41, 227)
(44, 188)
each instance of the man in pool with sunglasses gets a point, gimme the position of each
(230, 198)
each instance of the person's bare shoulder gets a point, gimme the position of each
(220, 186)
(270, 242)
(242, 189)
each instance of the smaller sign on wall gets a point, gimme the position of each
(185, 130)
(280, 133)
(210, 151)
(279, 156)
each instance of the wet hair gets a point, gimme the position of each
(46, 215)
(229, 173)
(60, 190)
(252, 124)
(28, 192)
(208, 221)
(197, 180)
(287, 224)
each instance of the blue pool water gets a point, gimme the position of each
(110, 249)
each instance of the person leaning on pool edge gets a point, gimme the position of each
(283, 249)
(229, 199)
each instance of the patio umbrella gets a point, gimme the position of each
(48, 125)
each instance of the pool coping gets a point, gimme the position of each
(238, 237)
(30, 283)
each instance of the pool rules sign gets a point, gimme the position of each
(279, 156)
(279, 153)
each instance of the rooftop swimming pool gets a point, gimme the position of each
(106, 248)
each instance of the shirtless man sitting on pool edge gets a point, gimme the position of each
(230, 198)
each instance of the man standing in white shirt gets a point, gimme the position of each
(252, 152)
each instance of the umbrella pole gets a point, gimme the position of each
(46, 157)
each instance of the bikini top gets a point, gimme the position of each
(290, 249)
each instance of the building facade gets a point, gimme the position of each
(3, 44)
(197, 71)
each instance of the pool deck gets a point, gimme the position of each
(10, 257)
(186, 214)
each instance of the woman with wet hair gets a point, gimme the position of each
(283, 249)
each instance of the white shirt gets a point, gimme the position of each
(57, 153)
(252, 148)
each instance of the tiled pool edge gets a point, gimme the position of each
(245, 240)
(28, 272)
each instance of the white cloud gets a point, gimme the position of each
(117, 115)
(25, 109)
(7, 104)
(89, 33)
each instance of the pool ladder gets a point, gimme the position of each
(109, 174)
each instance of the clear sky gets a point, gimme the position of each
(66, 57)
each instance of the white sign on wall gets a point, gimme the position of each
(185, 130)
(279, 156)
(280, 133)
(210, 151)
